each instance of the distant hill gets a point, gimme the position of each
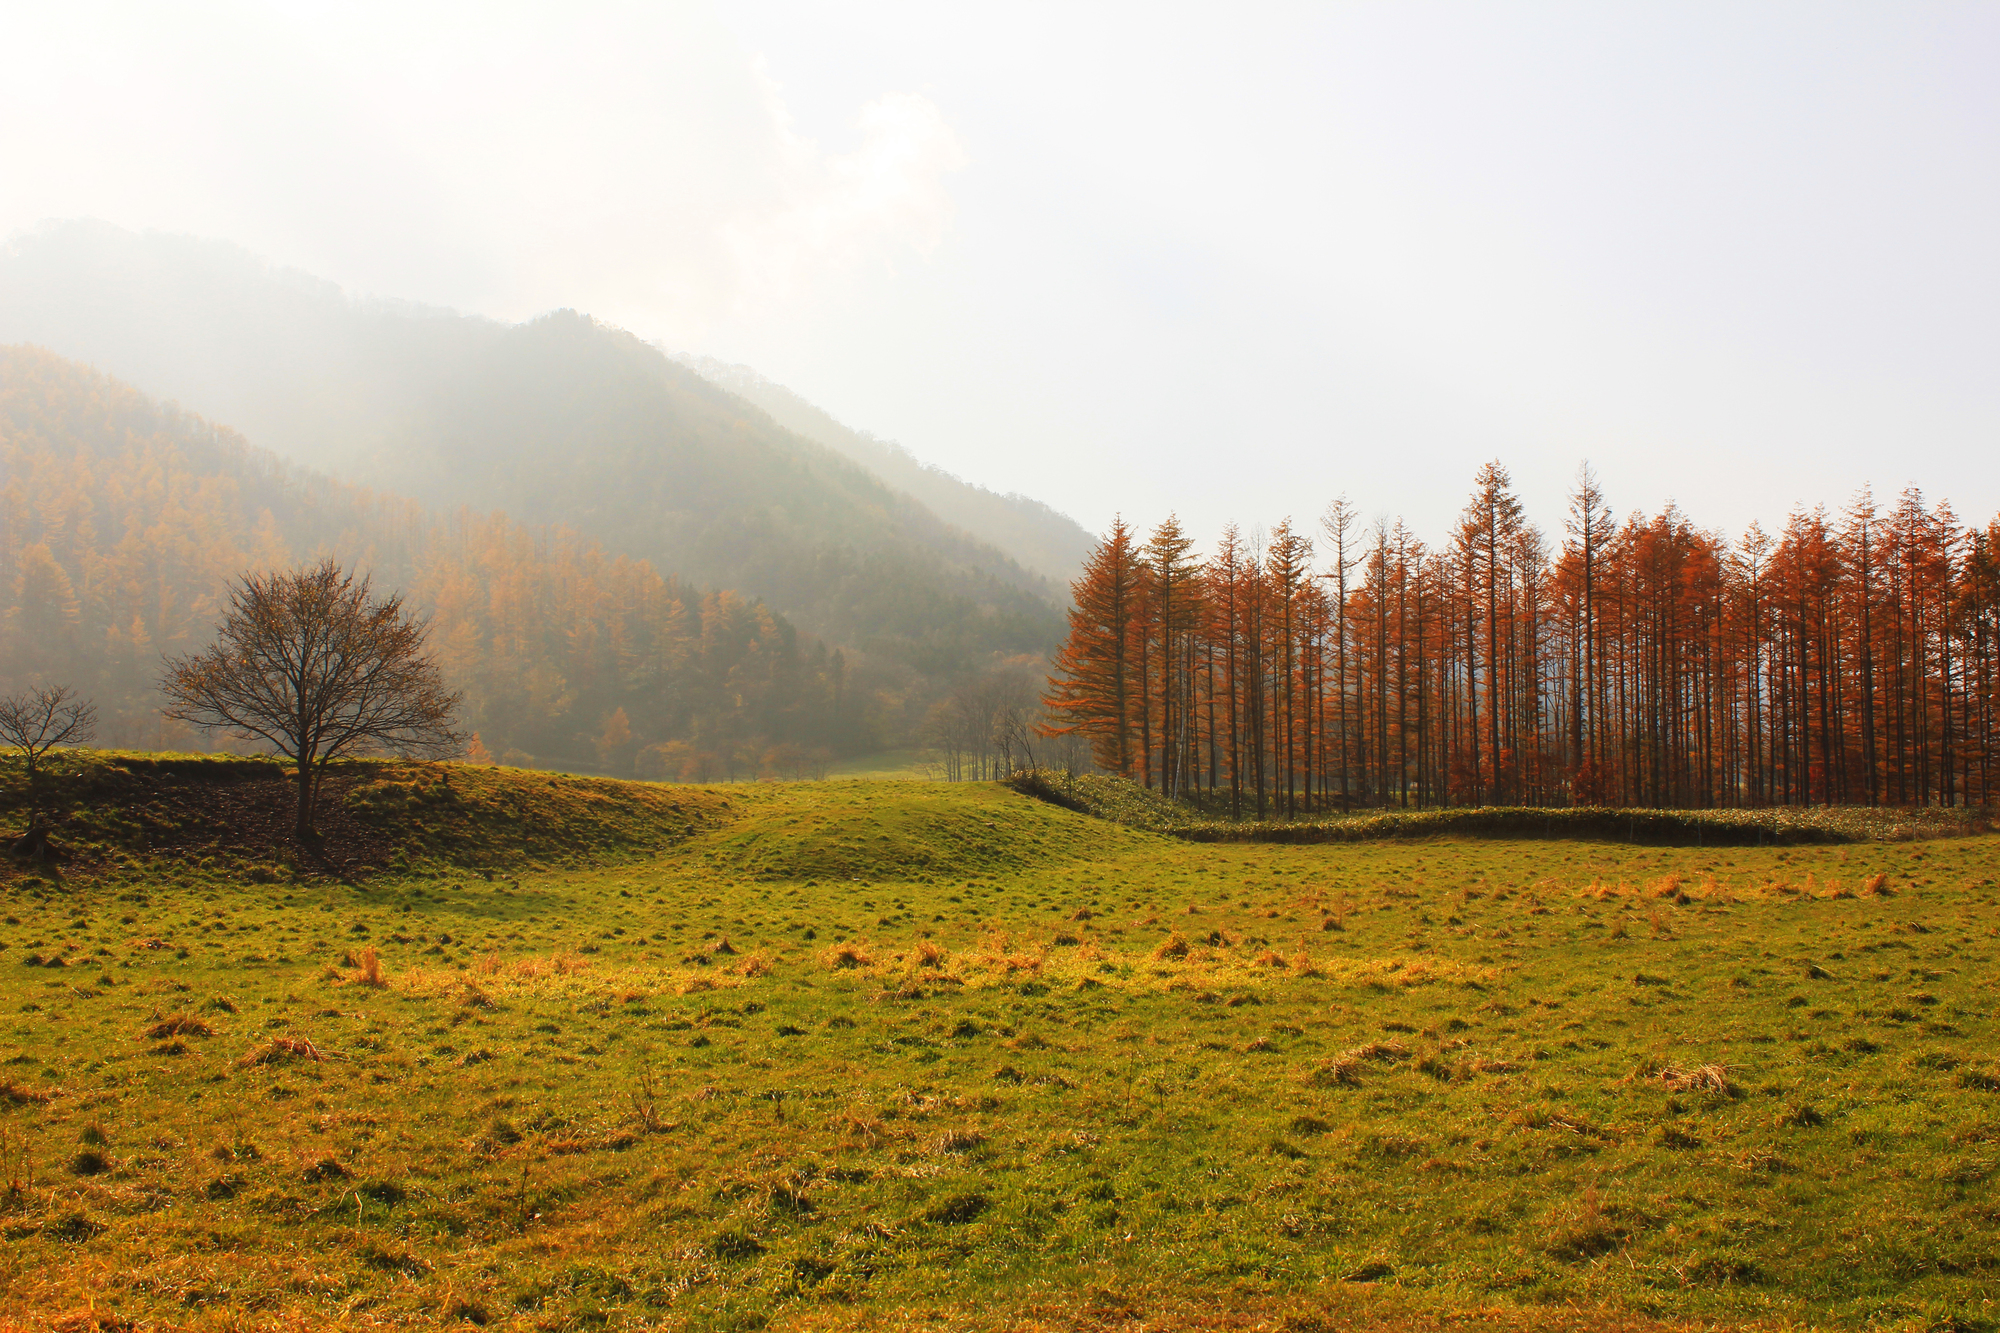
(122, 522)
(1049, 543)
(558, 420)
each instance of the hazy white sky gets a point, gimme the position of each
(1231, 259)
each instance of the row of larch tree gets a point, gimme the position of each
(1849, 660)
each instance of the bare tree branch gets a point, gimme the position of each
(308, 662)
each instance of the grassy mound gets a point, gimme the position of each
(1126, 802)
(230, 815)
(879, 831)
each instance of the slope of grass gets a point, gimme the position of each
(232, 816)
(875, 831)
(1059, 1074)
(1123, 801)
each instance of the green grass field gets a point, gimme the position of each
(883, 764)
(585, 1054)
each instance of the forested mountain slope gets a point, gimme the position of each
(559, 420)
(1049, 543)
(122, 522)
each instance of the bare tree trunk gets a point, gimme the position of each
(302, 827)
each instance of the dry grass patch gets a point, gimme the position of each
(845, 957)
(178, 1025)
(14, 1094)
(1340, 1072)
(284, 1050)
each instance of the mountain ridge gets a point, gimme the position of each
(557, 420)
(1038, 536)
(123, 520)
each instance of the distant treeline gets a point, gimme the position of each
(1853, 659)
(122, 521)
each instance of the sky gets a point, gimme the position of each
(1228, 260)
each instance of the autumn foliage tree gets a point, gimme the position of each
(1650, 661)
(123, 522)
(1098, 681)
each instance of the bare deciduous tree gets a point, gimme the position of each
(311, 663)
(985, 727)
(38, 720)
(34, 722)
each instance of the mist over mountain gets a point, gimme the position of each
(560, 420)
(123, 520)
(1050, 543)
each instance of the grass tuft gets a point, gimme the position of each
(283, 1050)
(842, 957)
(1340, 1072)
(1708, 1078)
(179, 1025)
(1582, 1229)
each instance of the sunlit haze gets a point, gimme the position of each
(1228, 260)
